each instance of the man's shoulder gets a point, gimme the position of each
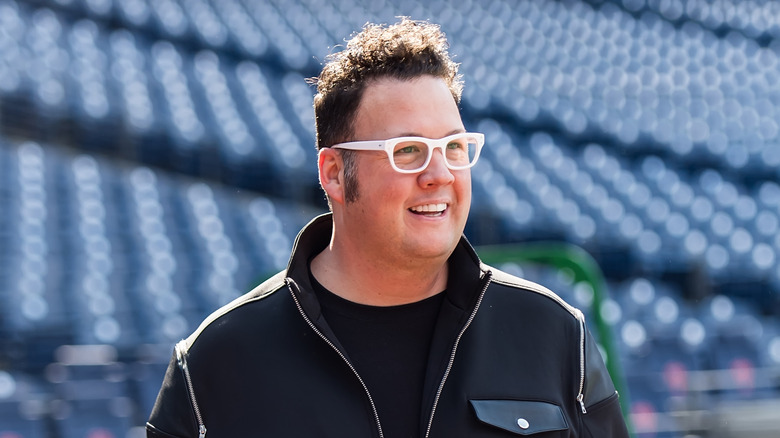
(524, 290)
(233, 315)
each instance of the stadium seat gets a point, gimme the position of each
(22, 407)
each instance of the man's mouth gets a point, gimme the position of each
(431, 210)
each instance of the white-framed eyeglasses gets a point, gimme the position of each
(413, 154)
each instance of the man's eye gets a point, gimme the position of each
(454, 145)
(407, 150)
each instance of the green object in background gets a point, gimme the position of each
(584, 268)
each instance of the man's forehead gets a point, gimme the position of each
(407, 107)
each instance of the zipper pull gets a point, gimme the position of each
(580, 398)
(202, 431)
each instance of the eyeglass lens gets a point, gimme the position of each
(412, 155)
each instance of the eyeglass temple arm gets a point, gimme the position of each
(361, 145)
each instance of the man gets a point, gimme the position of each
(385, 323)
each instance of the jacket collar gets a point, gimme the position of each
(463, 280)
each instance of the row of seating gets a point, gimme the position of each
(756, 19)
(665, 218)
(589, 71)
(99, 253)
(640, 83)
(86, 393)
(120, 93)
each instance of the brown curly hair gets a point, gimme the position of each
(405, 50)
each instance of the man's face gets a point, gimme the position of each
(407, 216)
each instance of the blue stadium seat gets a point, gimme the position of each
(249, 38)
(129, 70)
(184, 125)
(91, 392)
(136, 13)
(34, 304)
(22, 407)
(288, 44)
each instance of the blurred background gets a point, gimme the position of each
(157, 159)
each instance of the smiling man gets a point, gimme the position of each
(391, 241)
(385, 322)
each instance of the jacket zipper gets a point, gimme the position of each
(454, 350)
(290, 283)
(180, 357)
(581, 395)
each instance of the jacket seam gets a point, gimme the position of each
(522, 284)
(226, 309)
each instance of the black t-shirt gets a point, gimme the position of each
(389, 348)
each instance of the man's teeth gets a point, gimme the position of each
(429, 208)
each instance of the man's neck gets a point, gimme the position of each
(375, 282)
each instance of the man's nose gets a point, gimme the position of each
(437, 172)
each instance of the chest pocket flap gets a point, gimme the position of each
(520, 417)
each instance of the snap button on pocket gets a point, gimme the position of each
(520, 417)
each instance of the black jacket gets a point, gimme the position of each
(508, 358)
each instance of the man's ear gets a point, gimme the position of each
(331, 170)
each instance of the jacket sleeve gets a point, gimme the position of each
(603, 416)
(172, 415)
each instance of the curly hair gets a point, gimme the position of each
(405, 50)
